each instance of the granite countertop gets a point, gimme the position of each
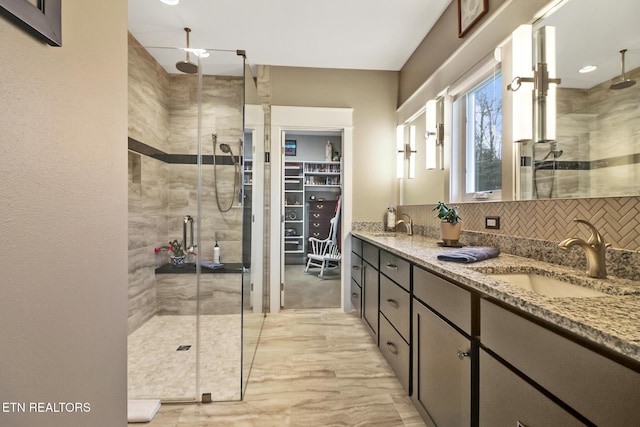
(612, 321)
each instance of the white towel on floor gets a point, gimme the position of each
(142, 411)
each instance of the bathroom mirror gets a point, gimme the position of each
(597, 153)
(596, 150)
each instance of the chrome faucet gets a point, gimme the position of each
(408, 225)
(595, 248)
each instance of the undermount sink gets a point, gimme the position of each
(547, 286)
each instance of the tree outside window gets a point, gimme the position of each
(484, 136)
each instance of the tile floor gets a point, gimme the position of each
(312, 368)
(157, 370)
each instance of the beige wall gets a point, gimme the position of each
(63, 217)
(372, 95)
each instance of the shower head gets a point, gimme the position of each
(225, 148)
(624, 83)
(187, 66)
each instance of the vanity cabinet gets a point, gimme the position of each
(370, 288)
(356, 275)
(603, 391)
(395, 315)
(508, 400)
(443, 360)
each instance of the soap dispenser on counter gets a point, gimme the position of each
(390, 219)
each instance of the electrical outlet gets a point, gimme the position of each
(492, 222)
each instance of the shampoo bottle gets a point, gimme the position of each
(216, 253)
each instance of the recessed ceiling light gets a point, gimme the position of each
(587, 69)
(170, 2)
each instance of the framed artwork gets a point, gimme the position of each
(41, 18)
(470, 12)
(290, 146)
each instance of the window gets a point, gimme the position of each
(479, 136)
(484, 136)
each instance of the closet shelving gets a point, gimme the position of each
(302, 181)
(294, 212)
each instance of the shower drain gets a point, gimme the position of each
(183, 348)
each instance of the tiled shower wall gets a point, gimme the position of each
(163, 115)
(534, 228)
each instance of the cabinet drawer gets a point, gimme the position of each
(356, 268)
(395, 268)
(356, 245)
(370, 254)
(395, 305)
(321, 216)
(507, 400)
(325, 206)
(451, 301)
(396, 351)
(356, 297)
(602, 390)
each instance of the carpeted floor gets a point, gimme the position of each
(303, 290)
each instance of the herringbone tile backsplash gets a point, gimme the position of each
(616, 218)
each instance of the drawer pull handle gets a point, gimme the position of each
(355, 295)
(315, 215)
(520, 424)
(355, 267)
(463, 354)
(392, 266)
(393, 303)
(320, 206)
(392, 347)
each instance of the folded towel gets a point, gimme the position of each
(142, 411)
(211, 264)
(468, 255)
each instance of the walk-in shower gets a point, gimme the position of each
(192, 331)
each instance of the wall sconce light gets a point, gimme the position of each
(534, 114)
(405, 152)
(434, 136)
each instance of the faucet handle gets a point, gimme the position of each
(595, 238)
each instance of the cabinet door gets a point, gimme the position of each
(506, 400)
(441, 369)
(370, 289)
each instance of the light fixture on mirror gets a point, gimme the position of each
(534, 113)
(406, 152)
(434, 136)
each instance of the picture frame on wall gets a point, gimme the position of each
(43, 21)
(469, 13)
(290, 147)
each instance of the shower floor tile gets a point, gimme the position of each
(156, 369)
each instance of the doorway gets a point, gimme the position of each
(311, 191)
(308, 177)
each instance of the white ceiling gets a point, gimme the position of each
(352, 34)
(364, 34)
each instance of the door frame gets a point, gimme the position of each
(287, 118)
(254, 122)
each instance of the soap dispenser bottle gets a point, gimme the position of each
(216, 253)
(390, 219)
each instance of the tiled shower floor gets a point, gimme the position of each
(157, 370)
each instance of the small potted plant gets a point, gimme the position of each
(450, 225)
(177, 255)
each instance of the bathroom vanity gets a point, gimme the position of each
(471, 348)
